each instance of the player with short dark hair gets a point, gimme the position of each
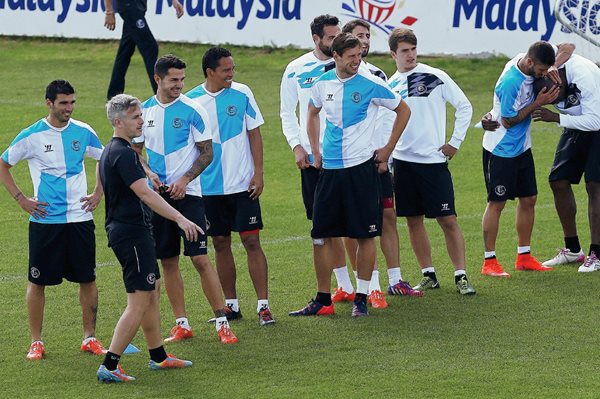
(422, 180)
(233, 182)
(177, 136)
(129, 205)
(347, 196)
(62, 243)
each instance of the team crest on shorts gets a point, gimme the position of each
(356, 97)
(500, 190)
(177, 123)
(231, 110)
(140, 23)
(75, 145)
(35, 272)
(151, 278)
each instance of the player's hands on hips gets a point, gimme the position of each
(301, 157)
(257, 184)
(488, 123)
(178, 8)
(177, 189)
(448, 151)
(191, 230)
(546, 96)
(33, 207)
(90, 202)
(109, 21)
(382, 155)
(545, 115)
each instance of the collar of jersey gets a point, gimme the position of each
(210, 93)
(56, 129)
(167, 104)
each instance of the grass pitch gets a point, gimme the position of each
(529, 336)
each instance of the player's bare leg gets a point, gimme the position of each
(225, 265)
(88, 298)
(36, 300)
(174, 285)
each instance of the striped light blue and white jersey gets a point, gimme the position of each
(350, 110)
(296, 83)
(232, 113)
(513, 91)
(170, 134)
(55, 159)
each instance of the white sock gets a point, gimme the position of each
(262, 303)
(343, 279)
(362, 286)
(233, 304)
(374, 283)
(220, 321)
(183, 322)
(88, 339)
(429, 269)
(523, 250)
(460, 272)
(394, 276)
(489, 254)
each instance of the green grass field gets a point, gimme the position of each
(529, 336)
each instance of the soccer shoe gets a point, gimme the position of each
(529, 262)
(377, 300)
(464, 287)
(339, 295)
(427, 283)
(265, 317)
(565, 256)
(179, 333)
(314, 308)
(226, 335)
(491, 267)
(359, 309)
(229, 313)
(117, 375)
(171, 362)
(403, 288)
(93, 346)
(591, 264)
(36, 351)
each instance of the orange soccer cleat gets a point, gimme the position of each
(179, 333)
(491, 267)
(529, 262)
(377, 300)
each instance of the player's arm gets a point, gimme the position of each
(154, 179)
(256, 149)
(462, 117)
(178, 188)
(544, 97)
(160, 206)
(313, 127)
(178, 8)
(565, 51)
(109, 15)
(382, 155)
(90, 202)
(288, 95)
(29, 205)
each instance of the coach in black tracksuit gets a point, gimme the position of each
(135, 33)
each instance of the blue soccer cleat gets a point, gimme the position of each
(117, 375)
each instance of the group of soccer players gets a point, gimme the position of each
(347, 125)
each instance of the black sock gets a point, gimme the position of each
(158, 354)
(111, 361)
(431, 275)
(457, 278)
(324, 298)
(595, 248)
(572, 244)
(360, 298)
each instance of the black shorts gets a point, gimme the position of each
(347, 203)
(577, 152)
(168, 235)
(137, 257)
(309, 177)
(65, 250)
(509, 178)
(423, 189)
(232, 212)
(387, 190)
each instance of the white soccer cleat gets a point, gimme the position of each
(591, 264)
(564, 257)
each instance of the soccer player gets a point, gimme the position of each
(177, 138)
(233, 182)
(136, 33)
(422, 181)
(296, 83)
(577, 152)
(347, 196)
(62, 243)
(129, 230)
(389, 242)
(508, 165)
